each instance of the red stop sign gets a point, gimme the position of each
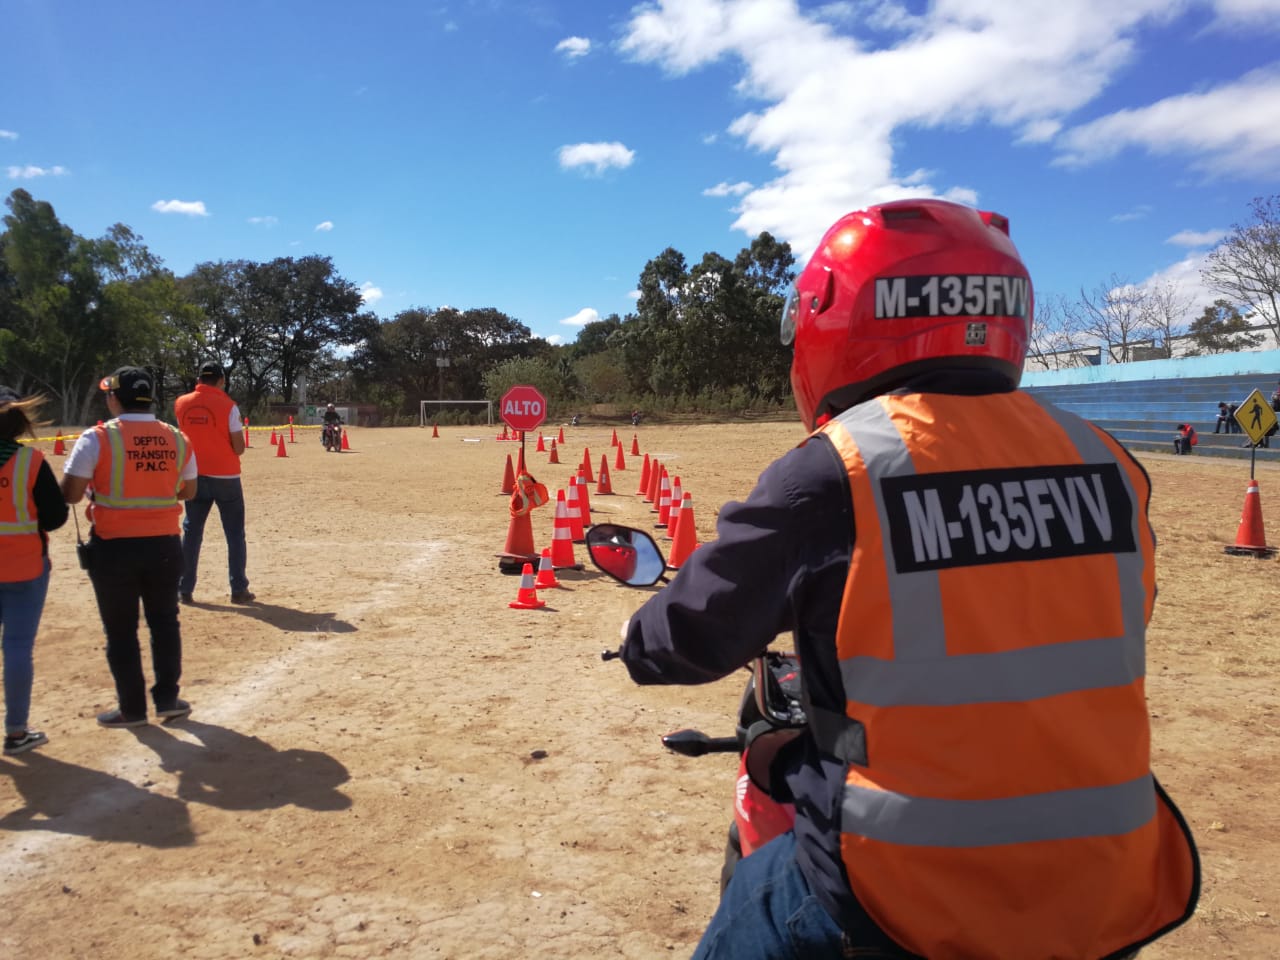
(522, 407)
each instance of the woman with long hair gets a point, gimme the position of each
(30, 505)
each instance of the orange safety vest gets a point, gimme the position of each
(137, 478)
(526, 494)
(999, 800)
(21, 546)
(203, 416)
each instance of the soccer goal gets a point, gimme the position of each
(423, 404)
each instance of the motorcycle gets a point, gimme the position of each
(635, 419)
(331, 437)
(770, 713)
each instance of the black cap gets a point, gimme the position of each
(212, 369)
(131, 385)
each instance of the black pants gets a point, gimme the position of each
(125, 571)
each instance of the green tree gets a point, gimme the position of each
(1221, 329)
(71, 308)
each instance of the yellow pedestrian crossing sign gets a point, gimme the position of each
(1255, 416)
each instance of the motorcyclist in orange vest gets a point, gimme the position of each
(974, 780)
(140, 469)
(30, 505)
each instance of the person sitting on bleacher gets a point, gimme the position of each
(1226, 422)
(1185, 438)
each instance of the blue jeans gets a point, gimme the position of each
(768, 911)
(21, 605)
(228, 494)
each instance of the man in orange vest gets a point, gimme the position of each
(211, 420)
(973, 778)
(140, 469)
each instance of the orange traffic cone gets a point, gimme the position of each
(508, 477)
(59, 448)
(677, 505)
(541, 447)
(555, 457)
(686, 537)
(605, 485)
(435, 430)
(1251, 539)
(280, 450)
(586, 464)
(673, 508)
(346, 444)
(618, 462)
(561, 437)
(644, 477)
(613, 440)
(519, 543)
(655, 474)
(245, 422)
(662, 506)
(635, 445)
(584, 501)
(546, 572)
(291, 439)
(527, 597)
(273, 441)
(574, 508)
(562, 557)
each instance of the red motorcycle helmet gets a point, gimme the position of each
(901, 288)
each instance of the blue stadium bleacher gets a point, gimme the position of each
(1142, 403)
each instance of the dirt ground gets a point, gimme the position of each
(385, 760)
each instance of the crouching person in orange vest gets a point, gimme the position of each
(140, 469)
(1185, 438)
(973, 778)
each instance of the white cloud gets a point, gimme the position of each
(582, 317)
(726, 189)
(1230, 129)
(325, 226)
(1196, 238)
(555, 339)
(8, 135)
(369, 293)
(1140, 212)
(264, 221)
(30, 172)
(574, 47)
(634, 295)
(190, 208)
(598, 156)
(834, 87)
(1184, 276)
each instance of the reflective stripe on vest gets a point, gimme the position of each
(991, 643)
(22, 557)
(22, 476)
(114, 496)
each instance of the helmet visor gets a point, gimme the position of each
(790, 311)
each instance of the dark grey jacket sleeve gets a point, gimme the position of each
(734, 594)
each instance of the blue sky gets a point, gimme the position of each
(532, 156)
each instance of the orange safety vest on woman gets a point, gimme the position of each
(22, 547)
(203, 416)
(999, 800)
(137, 478)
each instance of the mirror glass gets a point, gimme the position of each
(625, 554)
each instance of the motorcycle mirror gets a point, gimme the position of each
(628, 555)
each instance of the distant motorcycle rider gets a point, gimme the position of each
(332, 420)
(974, 779)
